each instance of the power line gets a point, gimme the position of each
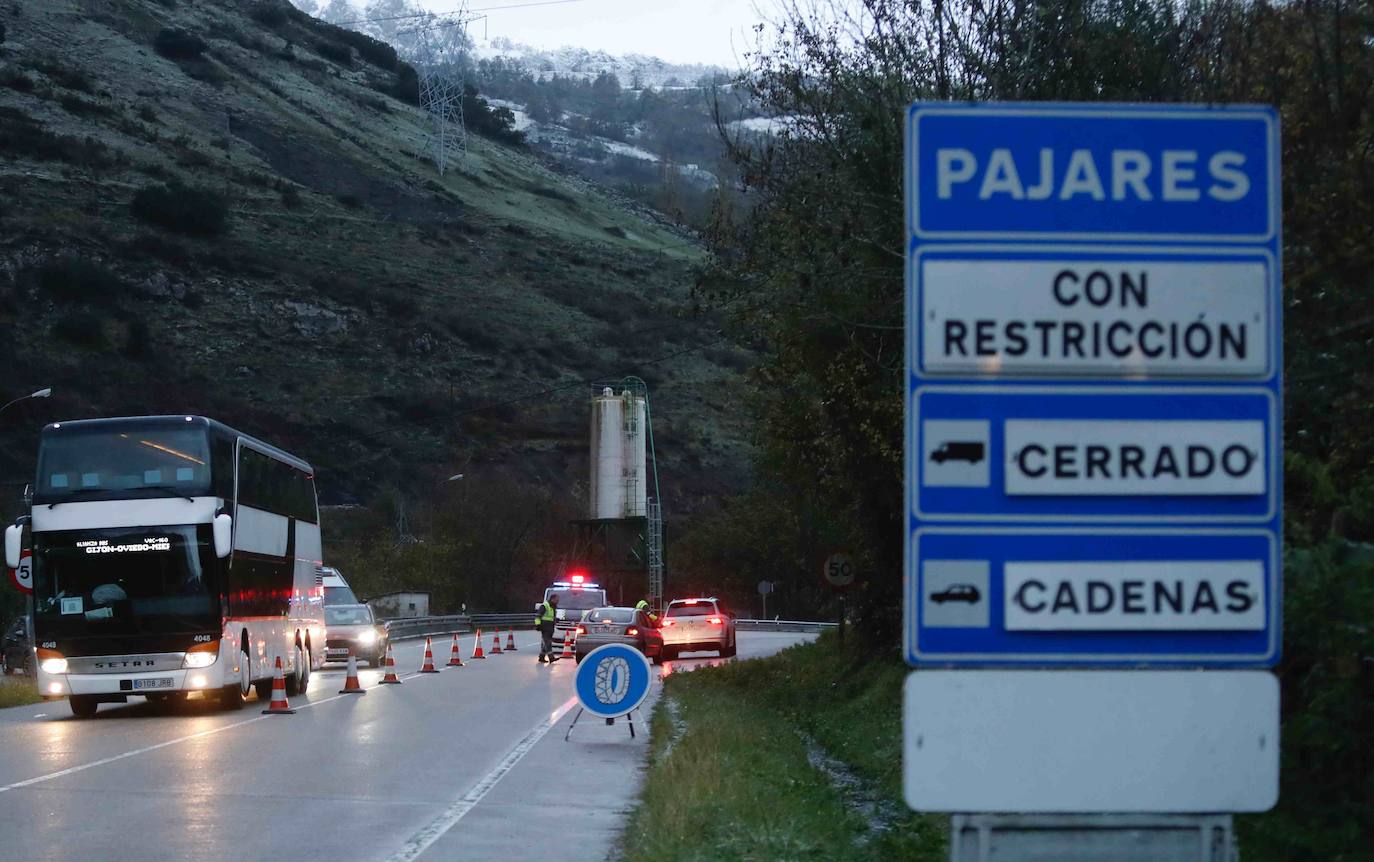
(529, 396)
(442, 14)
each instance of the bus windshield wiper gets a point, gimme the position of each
(176, 492)
(76, 491)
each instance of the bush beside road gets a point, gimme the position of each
(797, 756)
(17, 692)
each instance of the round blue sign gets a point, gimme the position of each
(613, 680)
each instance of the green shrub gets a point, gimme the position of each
(407, 87)
(76, 279)
(136, 344)
(178, 44)
(334, 52)
(182, 209)
(270, 14)
(81, 328)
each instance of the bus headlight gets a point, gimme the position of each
(54, 665)
(201, 655)
(368, 637)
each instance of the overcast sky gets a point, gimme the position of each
(683, 31)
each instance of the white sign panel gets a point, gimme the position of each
(1205, 595)
(1103, 318)
(1103, 741)
(1124, 458)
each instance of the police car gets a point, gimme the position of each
(690, 625)
(576, 595)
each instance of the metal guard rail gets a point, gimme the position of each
(402, 628)
(783, 626)
(418, 627)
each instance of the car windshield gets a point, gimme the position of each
(612, 615)
(700, 609)
(346, 616)
(124, 581)
(104, 462)
(339, 596)
(577, 600)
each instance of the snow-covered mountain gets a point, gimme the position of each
(633, 70)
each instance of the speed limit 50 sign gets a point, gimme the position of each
(839, 570)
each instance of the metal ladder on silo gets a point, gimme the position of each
(653, 543)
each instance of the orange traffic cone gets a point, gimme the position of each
(569, 637)
(477, 646)
(428, 666)
(278, 706)
(496, 642)
(454, 659)
(351, 684)
(390, 677)
(510, 640)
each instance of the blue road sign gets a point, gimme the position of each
(612, 680)
(1094, 403)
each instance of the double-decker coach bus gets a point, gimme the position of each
(171, 554)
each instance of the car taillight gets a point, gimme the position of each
(667, 623)
(632, 631)
(582, 630)
(715, 621)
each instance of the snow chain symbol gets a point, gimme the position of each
(612, 680)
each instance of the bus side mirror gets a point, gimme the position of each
(224, 536)
(14, 543)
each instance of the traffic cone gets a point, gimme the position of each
(351, 684)
(428, 666)
(477, 646)
(569, 637)
(510, 640)
(496, 642)
(278, 706)
(390, 677)
(454, 659)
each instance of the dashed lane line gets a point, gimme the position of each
(165, 744)
(439, 826)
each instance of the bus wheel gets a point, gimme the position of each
(83, 705)
(233, 696)
(293, 682)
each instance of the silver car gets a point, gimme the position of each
(690, 625)
(352, 627)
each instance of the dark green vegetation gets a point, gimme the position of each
(17, 691)
(813, 268)
(226, 208)
(797, 756)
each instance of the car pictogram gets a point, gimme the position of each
(957, 593)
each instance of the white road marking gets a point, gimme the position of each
(439, 826)
(170, 742)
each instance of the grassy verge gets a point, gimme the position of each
(732, 776)
(17, 692)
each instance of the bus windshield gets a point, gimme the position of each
(121, 461)
(138, 580)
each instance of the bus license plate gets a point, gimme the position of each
(160, 682)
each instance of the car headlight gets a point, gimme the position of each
(368, 637)
(54, 665)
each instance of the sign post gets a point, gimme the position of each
(1094, 451)
(839, 572)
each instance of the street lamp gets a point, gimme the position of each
(42, 393)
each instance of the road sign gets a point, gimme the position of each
(1095, 377)
(765, 587)
(839, 570)
(22, 577)
(1101, 741)
(612, 680)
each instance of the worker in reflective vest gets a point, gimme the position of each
(644, 606)
(545, 615)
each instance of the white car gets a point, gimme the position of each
(690, 625)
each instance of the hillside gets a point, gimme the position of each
(239, 219)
